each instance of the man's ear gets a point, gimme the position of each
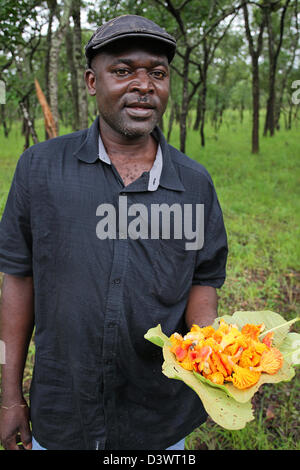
(90, 80)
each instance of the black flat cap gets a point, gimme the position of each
(129, 26)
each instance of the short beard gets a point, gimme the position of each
(128, 131)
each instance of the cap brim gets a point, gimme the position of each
(168, 43)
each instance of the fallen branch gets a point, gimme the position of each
(49, 121)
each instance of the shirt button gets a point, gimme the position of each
(117, 281)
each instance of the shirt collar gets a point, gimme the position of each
(88, 152)
(155, 172)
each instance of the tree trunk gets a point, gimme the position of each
(214, 115)
(270, 119)
(242, 108)
(198, 113)
(74, 110)
(171, 121)
(289, 117)
(282, 87)
(203, 106)
(80, 67)
(185, 99)
(273, 60)
(56, 41)
(255, 106)
(254, 53)
(296, 116)
(177, 112)
(29, 127)
(52, 5)
(220, 122)
(3, 119)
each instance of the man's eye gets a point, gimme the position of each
(121, 72)
(159, 74)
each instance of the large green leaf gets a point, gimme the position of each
(273, 322)
(227, 405)
(290, 348)
(223, 409)
(156, 336)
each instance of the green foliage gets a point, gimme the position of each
(259, 196)
(15, 15)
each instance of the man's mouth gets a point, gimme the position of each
(139, 104)
(139, 109)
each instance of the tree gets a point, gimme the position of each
(211, 71)
(194, 28)
(207, 51)
(52, 7)
(15, 17)
(79, 67)
(270, 8)
(289, 57)
(255, 53)
(56, 40)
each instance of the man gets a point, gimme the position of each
(98, 245)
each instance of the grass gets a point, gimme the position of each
(259, 195)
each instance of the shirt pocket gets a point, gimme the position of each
(52, 373)
(173, 271)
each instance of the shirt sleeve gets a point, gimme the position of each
(211, 259)
(15, 225)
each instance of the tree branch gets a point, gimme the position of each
(254, 53)
(219, 39)
(225, 14)
(181, 74)
(184, 3)
(175, 12)
(281, 29)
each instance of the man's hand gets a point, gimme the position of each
(202, 306)
(16, 326)
(14, 428)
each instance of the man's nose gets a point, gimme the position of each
(142, 82)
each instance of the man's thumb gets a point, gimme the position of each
(28, 446)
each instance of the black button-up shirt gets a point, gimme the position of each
(97, 382)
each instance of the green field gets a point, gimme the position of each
(259, 195)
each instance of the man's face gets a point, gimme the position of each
(131, 85)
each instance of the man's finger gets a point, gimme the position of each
(11, 443)
(26, 437)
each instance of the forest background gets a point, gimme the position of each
(234, 107)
